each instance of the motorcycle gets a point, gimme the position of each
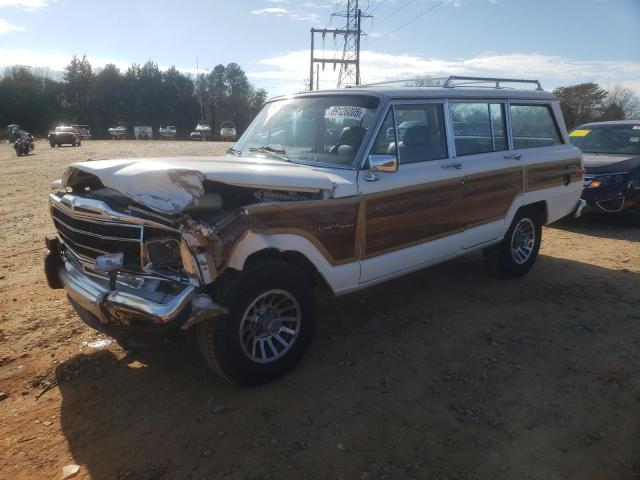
(24, 145)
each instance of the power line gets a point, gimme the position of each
(374, 8)
(395, 11)
(415, 19)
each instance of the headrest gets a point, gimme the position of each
(418, 135)
(351, 136)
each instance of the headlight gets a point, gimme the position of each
(606, 180)
(164, 252)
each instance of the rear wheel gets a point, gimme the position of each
(515, 255)
(268, 328)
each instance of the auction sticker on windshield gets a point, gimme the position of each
(345, 111)
(580, 133)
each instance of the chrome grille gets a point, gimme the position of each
(89, 238)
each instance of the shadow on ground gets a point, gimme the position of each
(617, 227)
(446, 373)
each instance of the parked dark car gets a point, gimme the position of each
(612, 160)
(64, 135)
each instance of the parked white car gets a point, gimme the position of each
(315, 193)
(228, 131)
(141, 132)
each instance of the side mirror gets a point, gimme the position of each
(383, 163)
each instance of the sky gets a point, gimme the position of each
(559, 42)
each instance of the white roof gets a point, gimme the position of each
(438, 92)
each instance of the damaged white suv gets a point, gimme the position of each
(342, 189)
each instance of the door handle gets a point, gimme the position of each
(513, 156)
(457, 166)
(371, 177)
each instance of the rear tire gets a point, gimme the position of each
(269, 326)
(516, 254)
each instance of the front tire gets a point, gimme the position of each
(516, 254)
(269, 326)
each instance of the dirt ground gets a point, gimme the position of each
(448, 373)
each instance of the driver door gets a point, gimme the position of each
(415, 215)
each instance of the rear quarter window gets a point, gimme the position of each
(533, 126)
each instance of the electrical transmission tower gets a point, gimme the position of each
(349, 73)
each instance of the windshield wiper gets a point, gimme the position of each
(234, 151)
(271, 151)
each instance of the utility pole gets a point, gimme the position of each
(349, 73)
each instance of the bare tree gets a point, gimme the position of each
(621, 103)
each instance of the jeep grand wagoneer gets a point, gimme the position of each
(344, 189)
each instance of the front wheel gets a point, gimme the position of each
(269, 326)
(515, 255)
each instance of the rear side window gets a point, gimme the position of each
(533, 126)
(420, 133)
(478, 127)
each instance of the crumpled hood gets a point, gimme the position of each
(602, 163)
(171, 184)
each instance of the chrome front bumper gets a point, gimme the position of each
(579, 210)
(126, 308)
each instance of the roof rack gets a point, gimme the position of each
(454, 81)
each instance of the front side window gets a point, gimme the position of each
(385, 143)
(478, 127)
(533, 126)
(420, 133)
(314, 129)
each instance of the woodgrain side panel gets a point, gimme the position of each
(489, 195)
(552, 174)
(396, 220)
(331, 226)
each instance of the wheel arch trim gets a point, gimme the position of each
(338, 278)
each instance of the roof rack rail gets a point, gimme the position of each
(453, 81)
(496, 81)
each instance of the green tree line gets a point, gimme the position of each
(141, 95)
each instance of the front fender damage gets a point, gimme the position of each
(211, 245)
(211, 216)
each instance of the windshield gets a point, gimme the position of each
(322, 129)
(612, 139)
(64, 129)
